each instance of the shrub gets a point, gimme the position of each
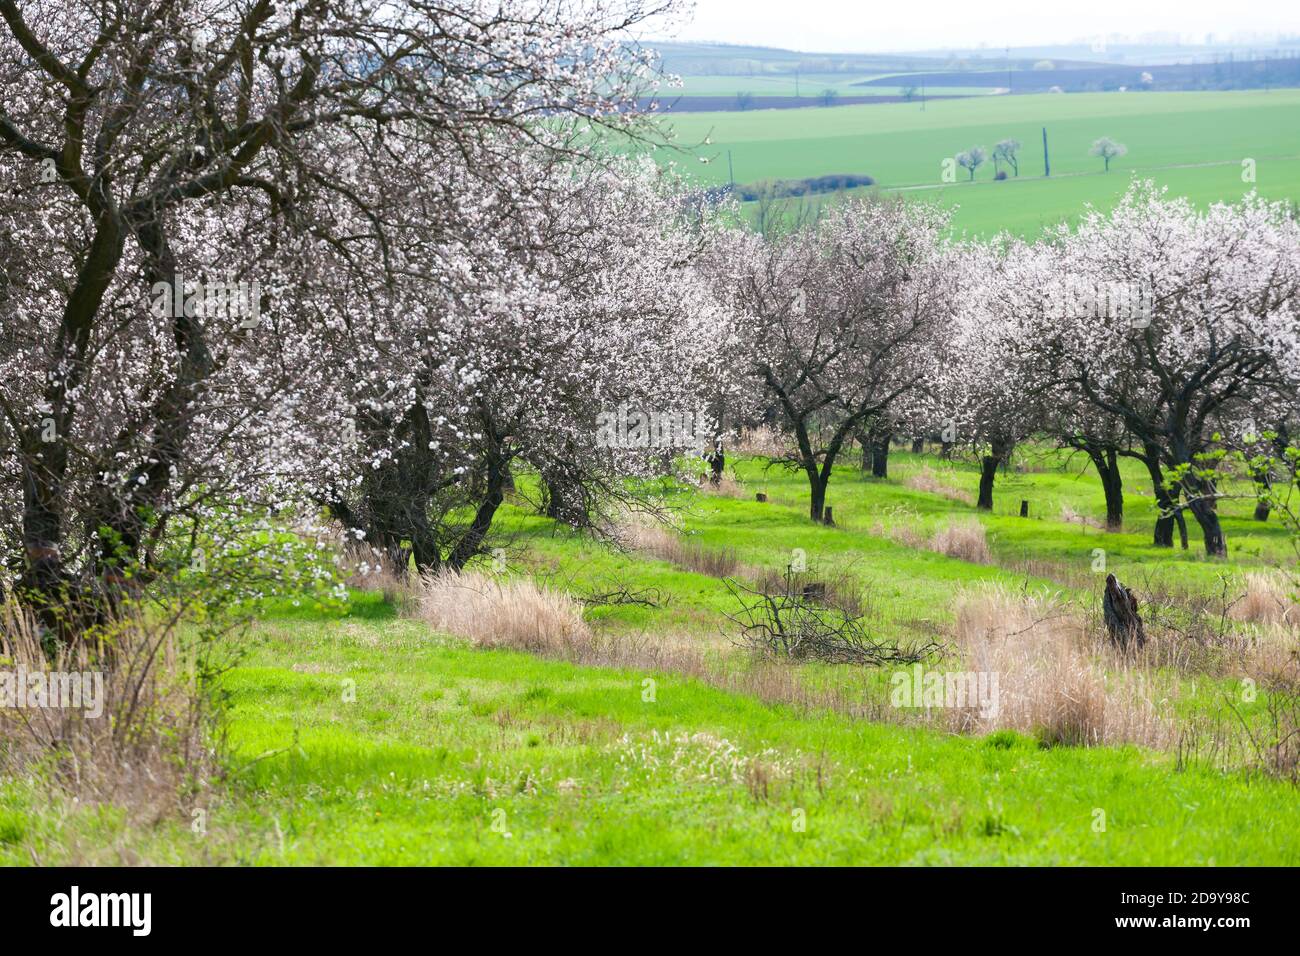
(152, 740)
(787, 620)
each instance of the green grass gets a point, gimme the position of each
(450, 755)
(1192, 142)
(810, 85)
(909, 585)
(443, 741)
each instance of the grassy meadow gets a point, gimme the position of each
(1194, 143)
(368, 736)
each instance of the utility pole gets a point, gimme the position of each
(796, 84)
(1008, 69)
(731, 174)
(923, 94)
(1047, 164)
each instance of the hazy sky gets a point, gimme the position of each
(862, 26)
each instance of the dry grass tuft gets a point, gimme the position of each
(729, 486)
(144, 734)
(655, 539)
(964, 539)
(902, 525)
(931, 482)
(1272, 655)
(1269, 599)
(496, 612)
(1054, 678)
(365, 570)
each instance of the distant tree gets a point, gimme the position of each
(744, 100)
(909, 93)
(839, 321)
(972, 159)
(1008, 151)
(829, 96)
(1107, 149)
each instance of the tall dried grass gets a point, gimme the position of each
(666, 544)
(1269, 598)
(366, 570)
(1056, 679)
(964, 539)
(503, 612)
(156, 743)
(729, 486)
(521, 615)
(901, 525)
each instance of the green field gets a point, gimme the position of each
(810, 85)
(1194, 143)
(452, 754)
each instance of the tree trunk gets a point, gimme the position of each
(552, 500)
(1263, 485)
(564, 497)
(988, 471)
(717, 462)
(817, 502)
(999, 450)
(1107, 464)
(1120, 611)
(1202, 503)
(918, 446)
(42, 581)
(880, 455)
(1164, 533)
(471, 542)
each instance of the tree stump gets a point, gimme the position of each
(759, 496)
(1123, 624)
(1024, 508)
(815, 591)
